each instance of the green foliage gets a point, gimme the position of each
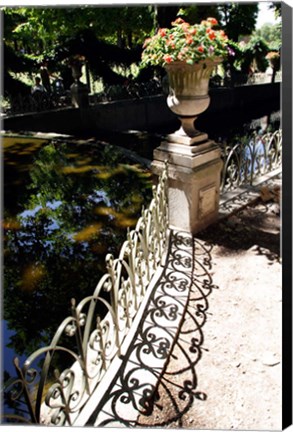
(272, 34)
(197, 13)
(238, 19)
(235, 18)
(99, 32)
(256, 51)
(39, 30)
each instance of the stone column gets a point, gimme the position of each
(194, 180)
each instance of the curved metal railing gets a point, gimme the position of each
(89, 338)
(246, 161)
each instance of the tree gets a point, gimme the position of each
(238, 19)
(272, 34)
(107, 36)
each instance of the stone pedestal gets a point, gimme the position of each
(194, 171)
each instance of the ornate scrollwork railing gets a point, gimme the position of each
(92, 336)
(246, 161)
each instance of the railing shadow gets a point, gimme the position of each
(145, 393)
(178, 387)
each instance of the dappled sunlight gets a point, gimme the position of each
(14, 143)
(79, 169)
(105, 211)
(88, 232)
(125, 222)
(84, 161)
(103, 175)
(123, 219)
(11, 224)
(31, 276)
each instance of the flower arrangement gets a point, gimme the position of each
(185, 42)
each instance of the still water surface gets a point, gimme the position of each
(66, 205)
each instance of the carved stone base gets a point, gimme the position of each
(180, 137)
(194, 183)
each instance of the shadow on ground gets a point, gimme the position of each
(257, 226)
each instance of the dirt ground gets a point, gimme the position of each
(225, 369)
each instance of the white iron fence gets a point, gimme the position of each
(247, 161)
(86, 342)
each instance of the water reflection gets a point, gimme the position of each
(71, 204)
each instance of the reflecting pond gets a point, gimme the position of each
(66, 205)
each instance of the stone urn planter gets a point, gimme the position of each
(188, 91)
(189, 53)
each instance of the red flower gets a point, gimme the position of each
(200, 49)
(213, 21)
(162, 32)
(212, 34)
(168, 58)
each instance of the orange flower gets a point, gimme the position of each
(213, 21)
(178, 21)
(212, 35)
(170, 43)
(192, 31)
(168, 58)
(189, 39)
(185, 26)
(162, 32)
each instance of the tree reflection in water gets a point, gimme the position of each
(64, 209)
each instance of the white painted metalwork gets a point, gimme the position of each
(247, 161)
(91, 337)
